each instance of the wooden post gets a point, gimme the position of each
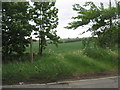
(31, 50)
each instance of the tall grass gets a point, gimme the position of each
(68, 58)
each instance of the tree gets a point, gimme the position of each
(44, 15)
(103, 21)
(15, 28)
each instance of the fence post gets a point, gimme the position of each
(31, 50)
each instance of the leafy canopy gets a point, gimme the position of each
(102, 22)
(44, 15)
(15, 27)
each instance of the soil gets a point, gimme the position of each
(68, 77)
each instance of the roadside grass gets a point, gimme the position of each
(67, 59)
(103, 55)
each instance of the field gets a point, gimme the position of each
(65, 60)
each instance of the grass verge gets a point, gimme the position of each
(63, 62)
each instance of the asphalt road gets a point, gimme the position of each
(109, 82)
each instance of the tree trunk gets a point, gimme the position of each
(31, 50)
(40, 47)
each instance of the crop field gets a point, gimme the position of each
(66, 59)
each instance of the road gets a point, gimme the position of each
(107, 82)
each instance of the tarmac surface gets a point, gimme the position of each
(107, 82)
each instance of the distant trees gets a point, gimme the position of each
(15, 27)
(104, 21)
(44, 15)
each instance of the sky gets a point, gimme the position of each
(65, 12)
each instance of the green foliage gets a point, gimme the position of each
(44, 14)
(15, 28)
(109, 38)
(109, 56)
(104, 22)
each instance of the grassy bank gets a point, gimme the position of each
(67, 59)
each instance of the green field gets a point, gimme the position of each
(63, 47)
(67, 59)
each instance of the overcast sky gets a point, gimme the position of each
(66, 12)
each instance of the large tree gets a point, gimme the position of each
(15, 28)
(44, 15)
(104, 21)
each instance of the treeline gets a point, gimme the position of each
(67, 40)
